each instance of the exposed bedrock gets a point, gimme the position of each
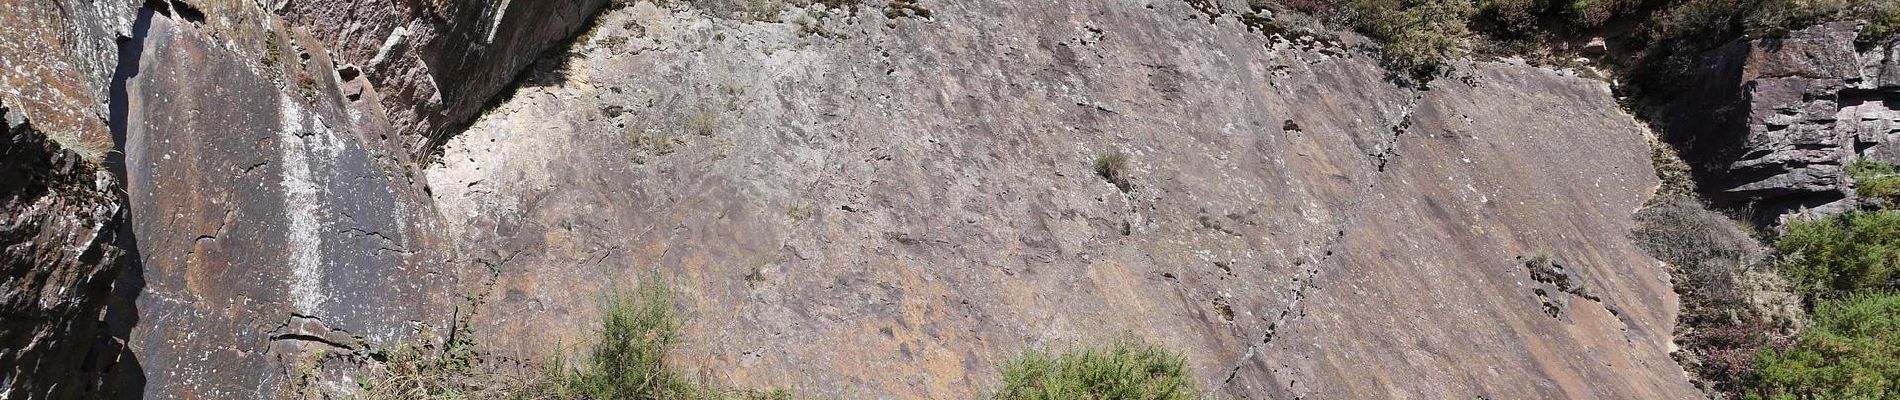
(864, 206)
(267, 150)
(60, 216)
(858, 203)
(1774, 123)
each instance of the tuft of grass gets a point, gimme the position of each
(1841, 254)
(625, 359)
(1122, 370)
(1853, 352)
(628, 358)
(702, 123)
(1113, 167)
(1874, 179)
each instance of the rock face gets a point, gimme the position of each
(267, 152)
(1775, 122)
(881, 200)
(864, 204)
(56, 61)
(266, 147)
(59, 220)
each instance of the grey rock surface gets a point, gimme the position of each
(1775, 122)
(857, 205)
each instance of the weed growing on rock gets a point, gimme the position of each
(1113, 167)
(1121, 370)
(702, 123)
(905, 9)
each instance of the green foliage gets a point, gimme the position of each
(1123, 370)
(625, 360)
(1874, 179)
(628, 360)
(1853, 352)
(1419, 35)
(1113, 167)
(1843, 253)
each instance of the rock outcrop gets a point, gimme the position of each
(267, 148)
(268, 151)
(869, 199)
(877, 205)
(60, 216)
(1773, 123)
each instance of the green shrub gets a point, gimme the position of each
(1419, 35)
(1843, 253)
(1853, 352)
(1123, 370)
(1874, 179)
(627, 359)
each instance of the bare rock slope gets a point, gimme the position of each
(885, 205)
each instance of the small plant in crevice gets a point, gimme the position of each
(644, 143)
(702, 123)
(1124, 369)
(1113, 167)
(905, 9)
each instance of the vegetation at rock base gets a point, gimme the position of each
(1875, 180)
(1843, 254)
(625, 359)
(1848, 266)
(1668, 38)
(1123, 369)
(1853, 352)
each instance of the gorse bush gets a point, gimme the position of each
(1874, 179)
(1122, 370)
(1842, 254)
(1853, 352)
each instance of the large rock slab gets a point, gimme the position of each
(268, 158)
(872, 205)
(1774, 123)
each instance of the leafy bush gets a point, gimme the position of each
(1853, 352)
(1874, 179)
(1843, 253)
(1123, 370)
